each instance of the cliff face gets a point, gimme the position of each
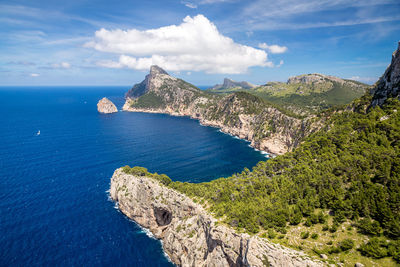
(190, 236)
(389, 84)
(240, 114)
(106, 106)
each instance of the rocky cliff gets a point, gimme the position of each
(241, 114)
(389, 84)
(190, 236)
(106, 106)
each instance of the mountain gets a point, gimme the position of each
(241, 114)
(389, 84)
(335, 196)
(232, 85)
(308, 94)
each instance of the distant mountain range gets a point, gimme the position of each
(231, 84)
(304, 94)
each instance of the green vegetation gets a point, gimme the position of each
(140, 171)
(341, 187)
(380, 248)
(304, 98)
(149, 100)
(351, 168)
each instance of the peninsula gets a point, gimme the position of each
(335, 196)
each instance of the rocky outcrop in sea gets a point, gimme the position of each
(190, 235)
(106, 106)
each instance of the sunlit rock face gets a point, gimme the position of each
(106, 106)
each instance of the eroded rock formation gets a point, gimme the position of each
(106, 106)
(389, 84)
(190, 235)
(241, 114)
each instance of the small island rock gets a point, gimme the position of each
(106, 106)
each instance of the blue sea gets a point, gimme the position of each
(54, 205)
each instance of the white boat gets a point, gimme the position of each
(38, 133)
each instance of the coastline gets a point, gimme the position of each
(225, 130)
(189, 235)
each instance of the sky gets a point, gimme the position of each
(102, 42)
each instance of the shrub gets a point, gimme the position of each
(334, 250)
(314, 236)
(314, 218)
(334, 228)
(346, 244)
(394, 250)
(295, 218)
(375, 248)
(321, 217)
(271, 233)
(368, 227)
(308, 222)
(304, 235)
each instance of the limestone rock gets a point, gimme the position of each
(314, 78)
(106, 106)
(389, 84)
(228, 83)
(190, 235)
(239, 114)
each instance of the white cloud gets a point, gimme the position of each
(273, 49)
(369, 80)
(62, 65)
(195, 3)
(194, 45)
(305, 14)
(34, 74)
(280, 64)
(189, 4)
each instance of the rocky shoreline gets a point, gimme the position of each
(275, 144)
(190, 235)
(239, 114)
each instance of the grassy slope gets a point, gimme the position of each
(310, 98)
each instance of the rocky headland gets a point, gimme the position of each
(190, 235)
(106, 106)
(240, 114)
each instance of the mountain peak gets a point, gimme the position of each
(155, 70)
(389, 84)
(229, 83)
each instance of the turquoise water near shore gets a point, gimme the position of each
(54, 208)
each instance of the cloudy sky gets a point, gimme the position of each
(85, 42)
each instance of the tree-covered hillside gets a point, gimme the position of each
(306, 94)
(347, 174)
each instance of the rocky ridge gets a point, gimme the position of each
(389, 84)
(240, 114)
(228, 84)
(106, 106)
(313, 78)
(190, 236)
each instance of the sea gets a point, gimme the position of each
(57, 155)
